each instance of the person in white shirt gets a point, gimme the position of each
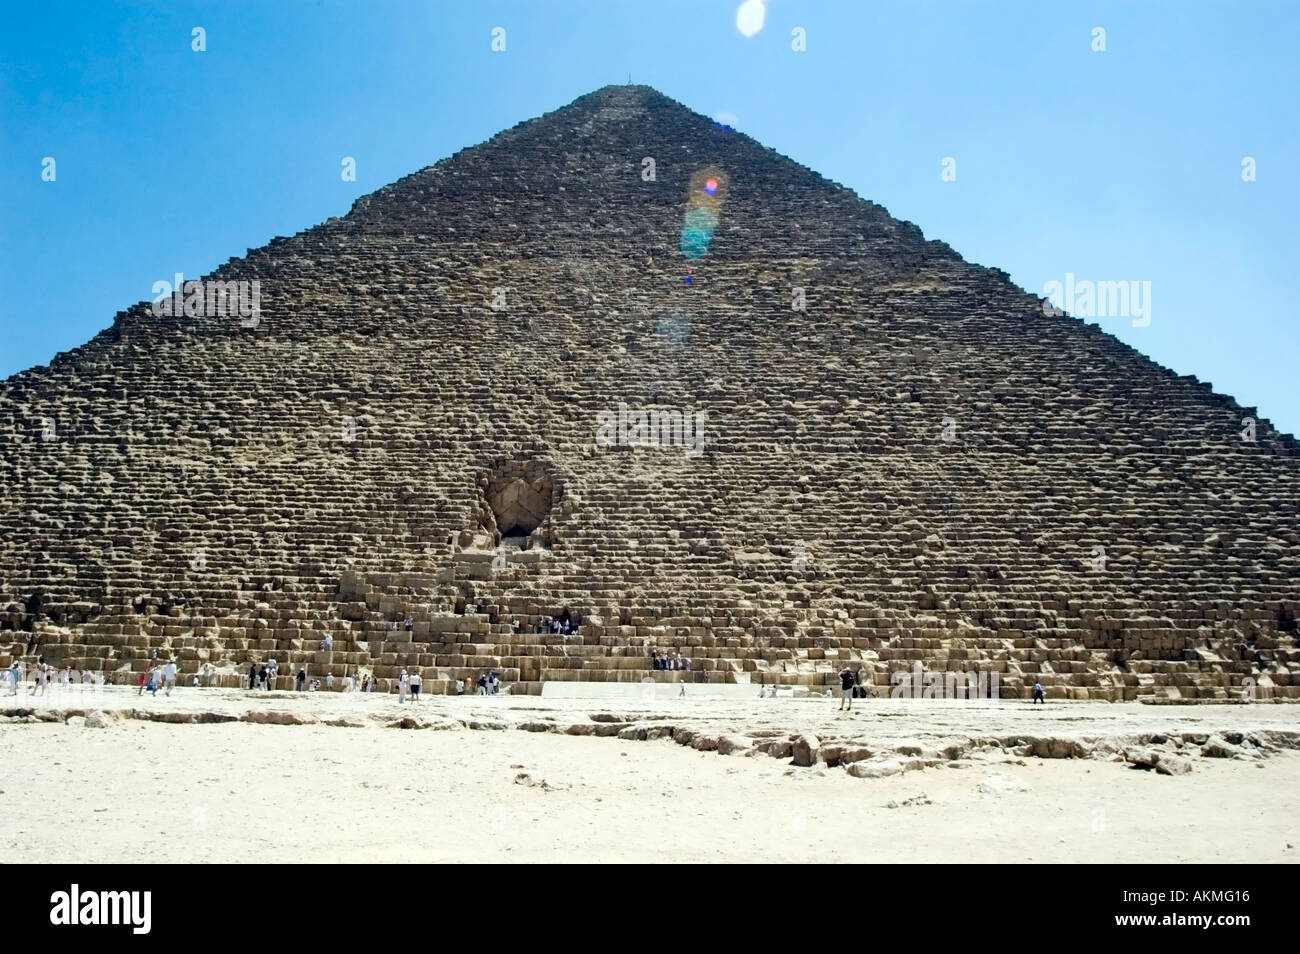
(169, 676)
(329, 680)
(415, 686)
(401, 686)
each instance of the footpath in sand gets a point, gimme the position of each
(225, 775)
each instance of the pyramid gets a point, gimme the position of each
(625, 362)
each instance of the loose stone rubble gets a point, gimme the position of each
(868, 748)
(918, 467)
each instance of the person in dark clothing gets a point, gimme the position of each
(252, 675)
(302, 679)
(1038, 694)
(846, 688)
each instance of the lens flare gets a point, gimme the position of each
(673, 327)
(704, 200)
(697, 232)
(750, 16)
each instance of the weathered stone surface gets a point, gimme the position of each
(1168, 764)
(733, 744)
(1003, 785)
(804, 749)
(1216, 747)
(272, 717)
(1142, 757)
(777, 748)
(876, 769)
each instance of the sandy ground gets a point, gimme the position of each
(242, 791)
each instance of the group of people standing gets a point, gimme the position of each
(158, 675)
(409, 682)
(263, 677)
(660, 660)
(562, 625)
(489, 683)
(44, 675)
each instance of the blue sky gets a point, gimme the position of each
(1123, 165)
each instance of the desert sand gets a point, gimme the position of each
(467, 783)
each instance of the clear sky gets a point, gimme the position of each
(1122, 165)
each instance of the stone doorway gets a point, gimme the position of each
(521, 495)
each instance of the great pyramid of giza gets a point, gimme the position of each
(624, 362)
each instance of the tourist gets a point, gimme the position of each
(144, 676)
(402, 682)
(688, 663)
(194, 682)
(462, 686)
(169, 676)
(272, 670)
(13, 679)
(327, 643)
(482, 684)
(302, 679)
(846, 688)
(410, 624)
(365, 683)
(1038, 694)
(263, 678)
(329, 681)
(153, 681)
(252, 675)
(415, 686)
